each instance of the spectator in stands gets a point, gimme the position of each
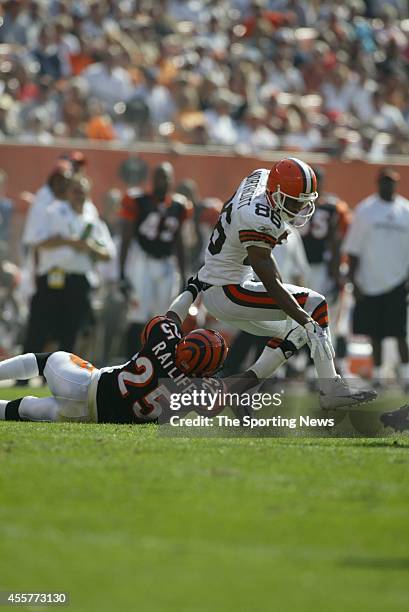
(8, 116)
(13, 28)
(134, 57)
(254, 133)
(47, 53)
(378, 248)
(221, 127)
(107, 80)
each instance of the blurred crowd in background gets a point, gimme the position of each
(250, 75)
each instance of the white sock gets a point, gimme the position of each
(311, 372)
(268, 362)
(181, 304)
(404, 372)
(326, 373)
(38, 408)
(377, 372)
(3, 404)
(21, 367)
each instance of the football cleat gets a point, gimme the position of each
(201, 352)
(341, 395)
(292, 190)
(398, 419)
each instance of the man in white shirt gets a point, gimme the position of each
(108, 81)
(378, 248)
(69, 244)
(54, 189)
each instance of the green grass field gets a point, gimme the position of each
(123, 518)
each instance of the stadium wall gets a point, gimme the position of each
(217, 174)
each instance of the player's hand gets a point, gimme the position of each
(319, 341)
(194, 286)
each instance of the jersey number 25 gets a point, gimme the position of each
(149, 406)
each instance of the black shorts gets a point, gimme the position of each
(57, 314)
(382, 316)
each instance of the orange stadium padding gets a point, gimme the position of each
(217, 175)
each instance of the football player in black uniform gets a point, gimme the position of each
(152, 255)
(135, 392)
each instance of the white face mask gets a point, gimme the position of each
(301, 217)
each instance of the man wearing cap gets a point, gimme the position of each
(378, 248)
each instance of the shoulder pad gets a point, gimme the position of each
(134, 192)
(149, 327)
(179, 198)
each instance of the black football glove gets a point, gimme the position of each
(194, 286)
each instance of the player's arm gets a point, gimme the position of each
(127, 231)
(98, 251)
(129, 215)
(353, 261)
(334, 243)
(353, 246)
(266, 269)
(179, 308)
(171, 314)
(336, 235)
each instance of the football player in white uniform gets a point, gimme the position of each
(259, 216)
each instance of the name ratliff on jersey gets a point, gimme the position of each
(246, 219)
(134, 392)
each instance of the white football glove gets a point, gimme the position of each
(319, 341)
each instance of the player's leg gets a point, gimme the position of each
(404, 366)
(241, 346)
(251, 300)
(69, 378)
(377, 361)
(140, 300)
(24, 366)
(166, 285)
(75, 309)
(395, 314)
(249, 307)
(30, 408)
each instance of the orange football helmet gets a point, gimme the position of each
(292, 189)
(201, 352)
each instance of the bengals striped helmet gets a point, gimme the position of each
(292, 189)
(201, 352)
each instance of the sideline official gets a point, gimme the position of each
(378, 248)
(69, 244)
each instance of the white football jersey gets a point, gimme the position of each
(247, 219)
